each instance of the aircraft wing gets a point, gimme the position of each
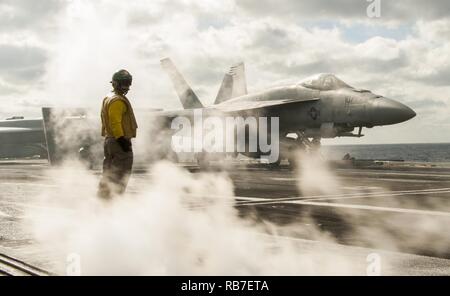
(16, 130)
(250, 105)
(20, 135)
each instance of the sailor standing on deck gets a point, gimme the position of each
(118, 127)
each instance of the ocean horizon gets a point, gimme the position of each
(421, 152)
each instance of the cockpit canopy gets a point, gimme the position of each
(324, 81)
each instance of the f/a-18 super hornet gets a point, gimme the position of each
(21, 137)
(25, 138)
(322, 106)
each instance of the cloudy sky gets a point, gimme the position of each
(63, 52)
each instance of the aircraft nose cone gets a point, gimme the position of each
(387, 111)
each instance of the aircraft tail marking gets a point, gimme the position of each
(233, 85)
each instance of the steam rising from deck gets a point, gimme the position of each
(178, 223)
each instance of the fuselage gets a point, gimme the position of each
(336, 112)
(322, 107)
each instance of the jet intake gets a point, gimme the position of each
(331, 130)
(327, 130)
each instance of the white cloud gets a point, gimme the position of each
(378, 48)
(85, 42)
(392, 12)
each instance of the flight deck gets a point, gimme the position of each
(399, 211)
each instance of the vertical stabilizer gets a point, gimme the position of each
(233, 85)
(226, 89)
(188, 98)
(239, 81)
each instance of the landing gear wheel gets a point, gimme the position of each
(275, 165)
(292, 161)
(315, 145)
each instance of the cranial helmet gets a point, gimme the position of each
(122, 77)
(121, 81)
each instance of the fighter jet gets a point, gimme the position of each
(321, 106)
(21, 137)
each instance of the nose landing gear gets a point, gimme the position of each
(291, 146)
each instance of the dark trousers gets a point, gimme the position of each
(117, 166)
